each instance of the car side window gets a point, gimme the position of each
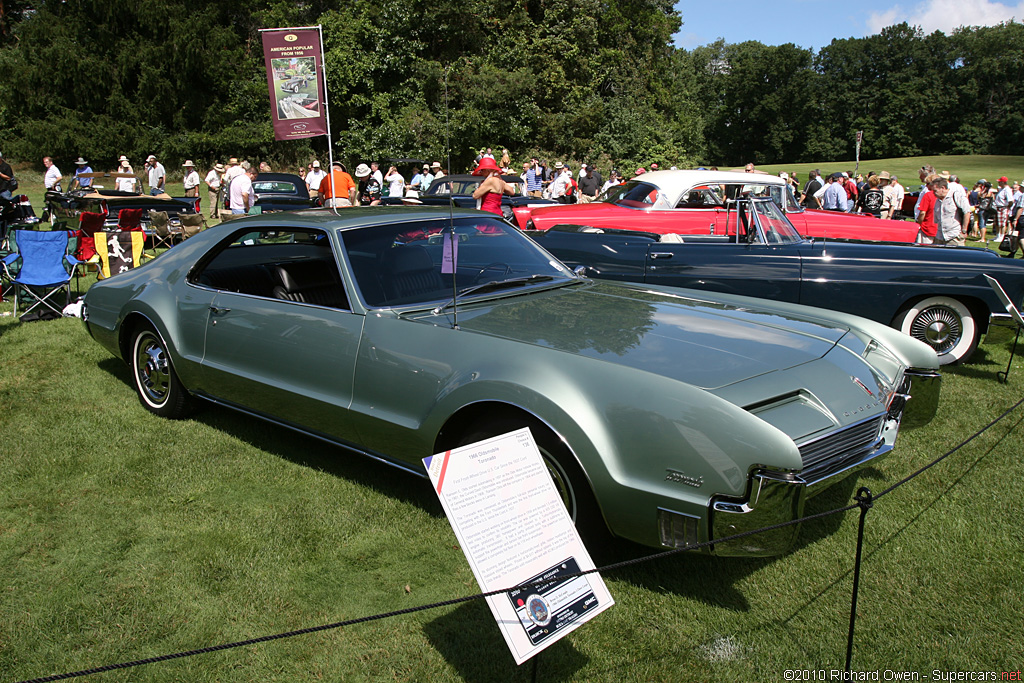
(288, 264)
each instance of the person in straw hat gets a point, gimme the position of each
(369, 190)
(213, 187)
(490, 190)
(191, 179)
(82, 168)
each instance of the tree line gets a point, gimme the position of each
(571, 79)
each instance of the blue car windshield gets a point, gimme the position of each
(410, 263)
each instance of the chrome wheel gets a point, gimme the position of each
(157, 384)
(152, 369)
(943, 323)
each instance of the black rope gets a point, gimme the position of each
(469, 598)
(951, 451)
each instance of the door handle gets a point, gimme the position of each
(661, 254)
(219, 311)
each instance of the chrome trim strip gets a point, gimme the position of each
(379, 457)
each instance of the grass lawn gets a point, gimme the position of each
(970, 168)
(125, 536)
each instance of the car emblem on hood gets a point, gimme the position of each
(862, 386)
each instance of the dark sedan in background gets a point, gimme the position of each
(938, 295)
(281, 192)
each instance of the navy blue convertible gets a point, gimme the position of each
(936, 294)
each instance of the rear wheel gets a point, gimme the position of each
(156, 382)
(945, 324)
(565, 473)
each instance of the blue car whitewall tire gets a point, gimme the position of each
(943, 323)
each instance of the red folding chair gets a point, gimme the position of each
(130, 220)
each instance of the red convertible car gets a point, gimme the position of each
(694, 203)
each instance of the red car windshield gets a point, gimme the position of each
(634, 194)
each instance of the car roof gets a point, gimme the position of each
(358, 217)
(675, 182)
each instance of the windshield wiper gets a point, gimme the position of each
(493, 286)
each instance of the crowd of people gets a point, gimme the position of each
(945, 210)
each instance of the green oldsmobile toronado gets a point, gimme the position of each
(665, 416)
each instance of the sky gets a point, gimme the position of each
(814, 23)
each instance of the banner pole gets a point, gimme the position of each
(327, 114)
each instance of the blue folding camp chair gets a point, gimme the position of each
(43, 271)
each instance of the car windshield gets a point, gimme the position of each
(461, 186)
(634, 194)
(775, 227)
(274, 186)
(412, 263)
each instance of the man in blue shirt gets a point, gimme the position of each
(835, 194)
(83, 168)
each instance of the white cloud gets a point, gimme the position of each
(946, 15)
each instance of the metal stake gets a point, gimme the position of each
(864, 499)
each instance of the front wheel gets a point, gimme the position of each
(945, 324)
(156, 382)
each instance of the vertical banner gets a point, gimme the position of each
(294, 63)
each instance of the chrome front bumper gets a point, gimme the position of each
(776, 497)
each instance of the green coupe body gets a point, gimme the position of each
(668, 416)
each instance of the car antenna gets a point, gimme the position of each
(452, 241)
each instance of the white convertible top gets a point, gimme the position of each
(672, 184)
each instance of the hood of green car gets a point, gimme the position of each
(700, 342)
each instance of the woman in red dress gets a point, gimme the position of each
(488, 193)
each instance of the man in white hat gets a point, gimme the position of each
(213, 183)
(561, 183)
(82, 168)
(313, 178)
(157, 175)
(191, 180)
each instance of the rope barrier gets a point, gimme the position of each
(864, 501)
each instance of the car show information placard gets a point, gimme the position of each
(515, 530)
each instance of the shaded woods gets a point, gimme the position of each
(582, 79)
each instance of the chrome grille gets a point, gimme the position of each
(839, 447)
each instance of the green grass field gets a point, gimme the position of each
(125, 536)
(969, 168)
